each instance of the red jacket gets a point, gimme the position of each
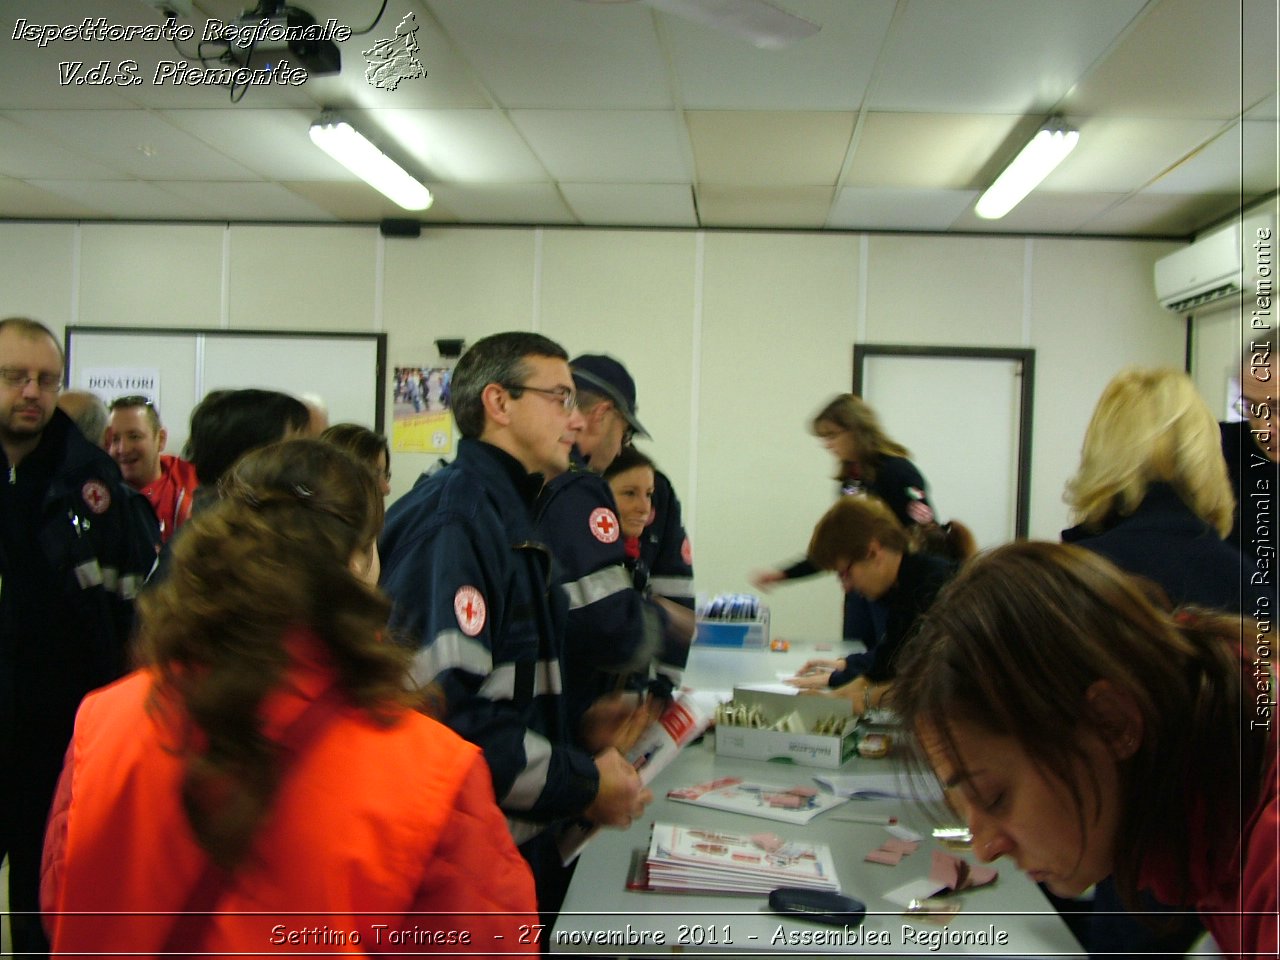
(1240, 909)
(370, 825)
(1235, 892)
(170, 495)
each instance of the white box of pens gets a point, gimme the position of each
(733, 620)
(815, 731)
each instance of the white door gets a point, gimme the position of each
(960, 416)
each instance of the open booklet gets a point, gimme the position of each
(684, 720)
(792, 804)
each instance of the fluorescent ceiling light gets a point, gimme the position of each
(1048, 148)
(349, 147)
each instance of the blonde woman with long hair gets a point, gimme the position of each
(1152, 494)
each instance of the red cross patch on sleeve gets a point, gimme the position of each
(96, 496)
(469, 608)
(604, 525)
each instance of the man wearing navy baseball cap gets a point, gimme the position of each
(613, 631)
(607, 399)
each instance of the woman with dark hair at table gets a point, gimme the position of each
(869, 462)
(1084, 732)
(265, 771)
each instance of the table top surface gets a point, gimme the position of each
(601, 916)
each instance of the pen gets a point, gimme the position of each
(864, 818)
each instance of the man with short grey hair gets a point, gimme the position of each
(477, 590)
(87, 412)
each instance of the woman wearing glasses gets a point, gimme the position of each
(264, 779)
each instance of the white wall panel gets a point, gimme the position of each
(945, 291)
(777, 343)
(302, 278)
(1093, 312)
(150, 275)
(464, 283)
(630, 294)
(36, 263)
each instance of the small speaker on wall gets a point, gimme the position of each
(392, 227)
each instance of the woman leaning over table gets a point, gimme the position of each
(263, 782)
(1084, 732)
(868, 462)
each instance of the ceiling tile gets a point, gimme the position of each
(567, 111)
(138, 142)
(1203, 39)
(769, 148)
(632, 205)
(1265, 109)
(1154, 214)
(1030, 53)
(272, 143)
(25, 153)
(613, 146)
(798, 207)
(19, 199)
(1044, 212)
(828, 71)
(357, 202)
(462, 146)
(31, 72)
(127, 199)
(1120, 155)
(926, 150)
(248, 201)
(558, 54)
(886, 209)
(505, 203)
(1243, 158)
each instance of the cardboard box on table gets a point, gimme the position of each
(807, 749)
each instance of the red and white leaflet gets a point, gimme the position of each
(680, 724)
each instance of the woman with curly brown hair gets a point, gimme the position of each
(264, 779)
(1083, 732)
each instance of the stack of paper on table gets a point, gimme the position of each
(794, 804)
(703, 860)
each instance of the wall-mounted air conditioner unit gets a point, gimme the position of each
(1210, 269)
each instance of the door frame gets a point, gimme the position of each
(1026, 360)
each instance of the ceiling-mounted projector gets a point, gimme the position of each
(263, 36)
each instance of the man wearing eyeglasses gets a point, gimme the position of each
(614, 634)
(75, 545)
(476, 589)
(136, 440)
